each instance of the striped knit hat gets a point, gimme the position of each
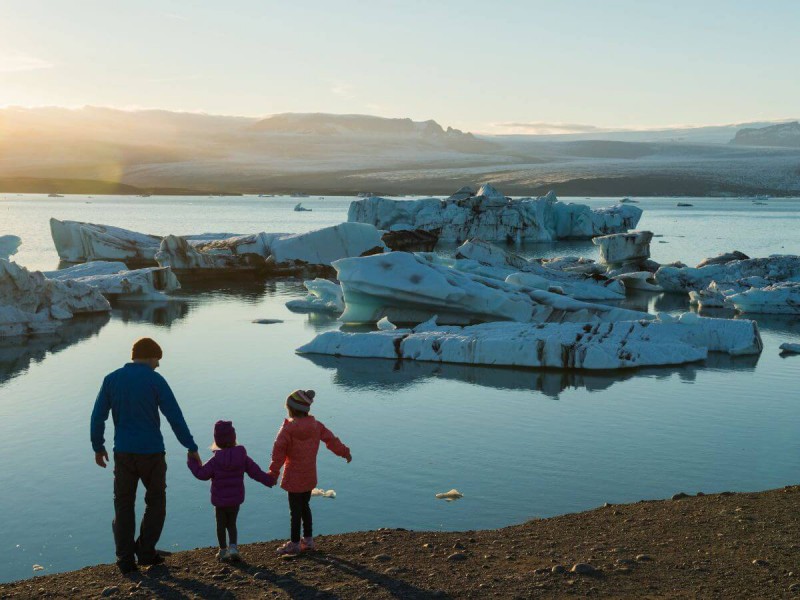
(301, 400)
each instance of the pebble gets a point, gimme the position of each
(429, 546)
(795, 587)
(558, 570)
(643, 557)
(457, 556)
(110, 591)
(382, 557)
(680, 496)
(760, 562)
(625, 561)
(218, 576)
(261, 575)
(583, 569)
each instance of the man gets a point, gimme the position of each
(134, 395)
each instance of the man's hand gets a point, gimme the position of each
(100, 458)
(196, 457)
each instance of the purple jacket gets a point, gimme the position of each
(226, 471)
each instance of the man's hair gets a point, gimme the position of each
(145, 348)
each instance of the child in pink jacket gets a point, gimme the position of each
(296, 449)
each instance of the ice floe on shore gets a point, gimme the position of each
(114, 280)
(31, 303)
(489, 215)
(591, 346)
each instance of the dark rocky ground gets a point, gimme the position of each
(742, 545)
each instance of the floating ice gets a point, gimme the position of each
(323, 246)
(9, 245)
(38, 568)
(591, 346)
(621, 248)
(323, 296)
(780, 298)
(30, 303)
(774, 269)
(386, 325)
(410, 288)
(490, 216)
(240, 253)
(323, 493)
(453, 494)
(790, 348)
(114, 280)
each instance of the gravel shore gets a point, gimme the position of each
(729, 545)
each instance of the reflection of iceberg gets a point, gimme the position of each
(162, 314)
(16, 354)
(379, 374)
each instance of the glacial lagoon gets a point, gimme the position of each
(519, 444)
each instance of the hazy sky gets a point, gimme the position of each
(480, 66)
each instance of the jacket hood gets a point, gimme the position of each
(231, 458)
(302, 428)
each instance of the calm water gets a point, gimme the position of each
(518, 444)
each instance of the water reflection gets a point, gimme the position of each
(250, 289)
(17, 354)
(161, 314)
(388, 375)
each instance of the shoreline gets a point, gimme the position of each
(717, 545)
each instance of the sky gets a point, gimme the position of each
(487, 67)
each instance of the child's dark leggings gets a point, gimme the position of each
(226, 522)
(300, 510)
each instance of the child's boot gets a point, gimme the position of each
(233, 553)
(222, 555)
(307, 543)
(289, 549)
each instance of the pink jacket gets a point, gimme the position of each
(296, 448)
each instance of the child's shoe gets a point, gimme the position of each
(307, 543)
(222, 555)
(289, 549)
(233, 553)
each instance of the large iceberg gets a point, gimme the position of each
(78, 242)
(490, 216)
(592, 346)
(774, 269)
(239, 253)
(410, 288)
(620, 248)
(322, 247)
(9, 245)
(114, 280)
(31, 303)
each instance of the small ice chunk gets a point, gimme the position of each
(386, 325)
(790, 348)
(453, 494)
(267, 321)
(428, 325)
(323, 493)
(38, 568)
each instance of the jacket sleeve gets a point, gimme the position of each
(254, 472)
(97, 425)
(279, 449)
(333, 443)
(204, 472)
(170, 409)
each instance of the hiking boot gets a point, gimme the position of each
(128, 568)
(307, 543)
(288, 549)
(222, 555)
(233, 553)
(156, 559)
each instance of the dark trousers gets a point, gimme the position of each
(300, 511)
(151, 469)
(226, 523)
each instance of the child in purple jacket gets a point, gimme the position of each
(226, 471)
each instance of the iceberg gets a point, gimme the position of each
(78, 242)
(620, 248)
(780, 298)
(240, 253)
(410, 288)
(9, 245)
(322, 247)
(489, 215)
(591, 346)
(115, 281)
(323, 296)
(30, 303)
(775, 269)
(789, 348)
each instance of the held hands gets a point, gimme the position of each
(270, 481)
(100, 458)
(195, 456)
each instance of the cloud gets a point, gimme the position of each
(552, 128)
(19, 63)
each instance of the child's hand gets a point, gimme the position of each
(270, 482)
(349, 457)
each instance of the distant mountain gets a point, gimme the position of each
(328, 124)
(783, 135)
